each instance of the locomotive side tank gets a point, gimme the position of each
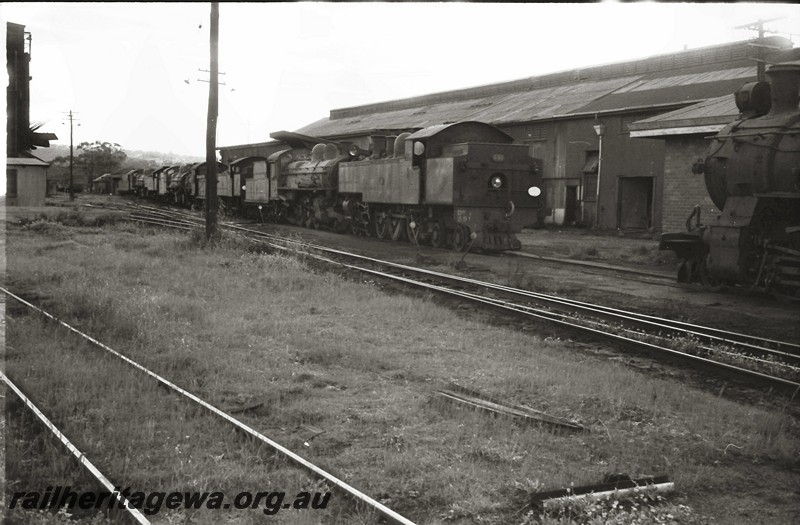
(752, 173)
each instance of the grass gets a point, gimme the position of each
(243, 329)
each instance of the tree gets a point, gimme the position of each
(97, 158)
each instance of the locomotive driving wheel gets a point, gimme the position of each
(397, 228)
(709, 281)
(381, 225)
(461, 237)
(438, 234)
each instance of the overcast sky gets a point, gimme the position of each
(123, 67)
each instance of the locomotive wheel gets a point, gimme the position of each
(381, 226)
(437, 234)
(308, 220)
(355, 227)
(461, 237)
(397, 229)
(709, 282)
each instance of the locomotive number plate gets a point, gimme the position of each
(498, 157)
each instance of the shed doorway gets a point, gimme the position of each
(571, 205)
(635, 205)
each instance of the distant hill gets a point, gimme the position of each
(57, 150)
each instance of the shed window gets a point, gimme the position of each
(11, 183)
(535, 133)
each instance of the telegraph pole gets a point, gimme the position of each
(211, 130)
(71, 189)
(760, 46)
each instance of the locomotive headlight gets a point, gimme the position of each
(496, 182)
(534, 191)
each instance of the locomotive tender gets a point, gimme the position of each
(752, 173)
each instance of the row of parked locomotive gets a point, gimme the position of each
(183, 185)
(462, 185)
(752, 173)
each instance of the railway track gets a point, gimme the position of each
(387, 513)
(133, 513)
(769, 362)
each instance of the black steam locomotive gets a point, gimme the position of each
(462, 185)
(752, 173)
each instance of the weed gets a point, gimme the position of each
(641, 507)
(584, 252)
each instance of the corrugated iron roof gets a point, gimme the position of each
(689, 79)
(666, 82)
(25, 161)
(517, 107)
(718, 110)
(555, 102)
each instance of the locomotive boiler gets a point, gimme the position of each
(463, 185)
(752, 173)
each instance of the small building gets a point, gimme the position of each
(685, 133)
(26, 175)
(26, 181)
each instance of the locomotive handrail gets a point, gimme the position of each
(695, 211)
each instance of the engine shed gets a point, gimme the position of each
(578, 122)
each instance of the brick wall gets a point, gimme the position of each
(683, 189)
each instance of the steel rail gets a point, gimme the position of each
(752, 343)
(559, 318)
(88, 465)
(384, 511)
(551, 316)
(161, 217)
(163, 222)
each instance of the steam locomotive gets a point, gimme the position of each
(752, 173)
(462, 185)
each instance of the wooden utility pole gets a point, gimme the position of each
(760, 69)
(71, 189)
(212, 228)
(760, 45)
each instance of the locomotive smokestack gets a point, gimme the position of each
(785, 83)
